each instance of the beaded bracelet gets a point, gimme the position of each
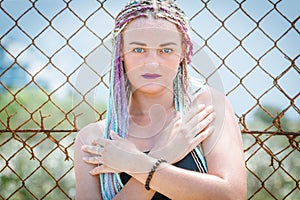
(152, 172)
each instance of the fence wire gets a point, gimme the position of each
(46, 47)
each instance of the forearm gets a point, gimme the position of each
(134, 190)
(137, 189)
(187, 184)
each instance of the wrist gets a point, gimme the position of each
(164, 152)
(152, 171)
(141, 165)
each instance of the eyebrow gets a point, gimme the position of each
(138, 43)
(162, 45)
(168, 44)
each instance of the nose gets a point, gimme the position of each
(152, 58)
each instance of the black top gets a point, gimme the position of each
(191, 162)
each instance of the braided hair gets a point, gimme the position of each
(119, 92)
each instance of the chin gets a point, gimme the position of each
(153, 88)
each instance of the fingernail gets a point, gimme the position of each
(213, 115)
(210, 108)
(201, 106)
(91, 172)
(83, 147)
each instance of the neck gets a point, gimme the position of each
(149, 116)
(142, 104)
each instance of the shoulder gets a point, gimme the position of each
(91, 132)
(212, 96)
(225, 117)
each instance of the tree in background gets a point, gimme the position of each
(272, 160)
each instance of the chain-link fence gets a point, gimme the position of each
(48, 48)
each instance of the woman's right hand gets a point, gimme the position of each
(186, 133)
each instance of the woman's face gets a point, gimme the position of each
(152, 50)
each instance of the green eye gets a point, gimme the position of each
(166, 50)
(138, 50)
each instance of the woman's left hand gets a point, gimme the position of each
(115, 155)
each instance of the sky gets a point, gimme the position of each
(254, 57)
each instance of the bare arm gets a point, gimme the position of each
(226, 178)
(87, 186)
(224, 154)
(134, 190)
(184, 136)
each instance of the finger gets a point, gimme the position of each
(97, 150)
(102, 169)
(99, 142)
(192, 112)
(93, 159)
(202, 120)
(197, 100)
(115, 136)
(201, 126)
(96, 170)
(201, 115)
(202, 136)
(208, 110)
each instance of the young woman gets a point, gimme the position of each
(158, 142)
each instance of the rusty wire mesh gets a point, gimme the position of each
(38, 122)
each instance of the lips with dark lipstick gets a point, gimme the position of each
(151, 76)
